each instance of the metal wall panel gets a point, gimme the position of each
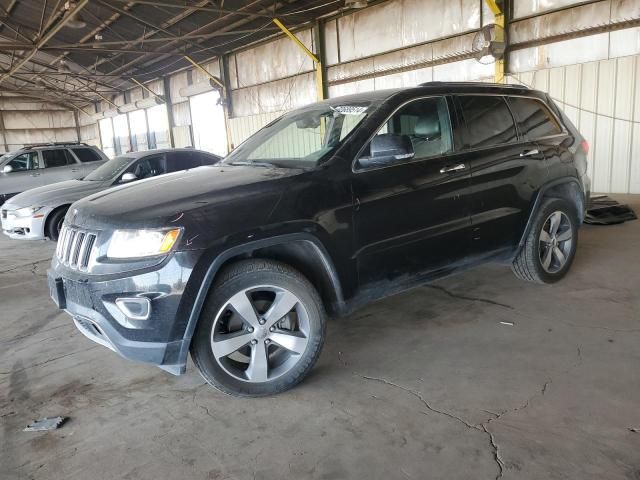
(181, 114)
(274, 60)
(38, 119)
(524, 8)
(393, 25)
(558, 23)
(177, 82)
(567, 52)
(603, 100)
(275, 96)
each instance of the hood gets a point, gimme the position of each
(55, 194)
(161, 200)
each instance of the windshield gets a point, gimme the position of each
(109, 170)
(300, 139)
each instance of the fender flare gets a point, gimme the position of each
(536, 205)
(220, 259)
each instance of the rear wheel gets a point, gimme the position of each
(54, 224)
(261, 330)
(550, 245)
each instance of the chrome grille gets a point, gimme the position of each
(74, 247)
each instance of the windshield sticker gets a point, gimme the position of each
(350, 109)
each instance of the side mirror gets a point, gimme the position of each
(7, 169)
(386, 149)
(128, 177)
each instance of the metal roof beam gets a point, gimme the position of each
(48, 36)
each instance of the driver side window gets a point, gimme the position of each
(148, 167)
(418, 130)
(25, 161)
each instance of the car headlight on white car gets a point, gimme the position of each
(142, 243)
(25, 212)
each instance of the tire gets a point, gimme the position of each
(265, 284)
(538, 260)
(54, 223)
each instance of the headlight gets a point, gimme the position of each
(26, 211)
(141, 243)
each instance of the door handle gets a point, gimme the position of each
(453, 168)
(75, 170)
(528, 153)
(35, 174)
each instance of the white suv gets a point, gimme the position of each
(39, 165)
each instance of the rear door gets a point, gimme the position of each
(25, 174)
(545, 133)
(60, 165)
(411, 217)
(500, 162)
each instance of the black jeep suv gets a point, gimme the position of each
(326, 208)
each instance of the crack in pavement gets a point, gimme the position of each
(33, 265)
(48, 361)
(471, 299)
(481, 427)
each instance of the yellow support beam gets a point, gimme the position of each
(499, 21)
(147, 89)
(223, 96)
(493, 6)
(310, 54)
(205, 71)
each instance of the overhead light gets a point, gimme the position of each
(76, 21)
(355, 3)
(62, 66)
(97, 37)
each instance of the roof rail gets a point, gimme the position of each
(475, 84)
(53, 144)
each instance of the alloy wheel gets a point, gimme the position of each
(260, 333)
(555, 242)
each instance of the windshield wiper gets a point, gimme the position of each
(257, 164)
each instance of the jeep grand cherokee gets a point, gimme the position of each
(326, 208)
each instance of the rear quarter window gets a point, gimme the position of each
(534, 118)
(87, 155)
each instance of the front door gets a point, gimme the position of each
(25, 174)
(410, 214)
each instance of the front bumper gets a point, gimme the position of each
(24, 228)
(91, 302)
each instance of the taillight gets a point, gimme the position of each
(585, 146)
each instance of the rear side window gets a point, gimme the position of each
(177, 161)
(87, 155)
(534, 118)
(488, 119)
(57, 158)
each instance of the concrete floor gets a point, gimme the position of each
(427, 384)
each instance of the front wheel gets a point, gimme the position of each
(550, 245)
(261, 330)
(54, 224)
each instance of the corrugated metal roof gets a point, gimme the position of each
(121, 39)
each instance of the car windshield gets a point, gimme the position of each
(302, 138)
(109, 170)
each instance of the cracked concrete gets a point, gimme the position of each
(427, 384)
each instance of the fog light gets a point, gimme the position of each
(136, 308)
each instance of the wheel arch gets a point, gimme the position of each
(64, 206)
(568, 188)
(304, 252)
